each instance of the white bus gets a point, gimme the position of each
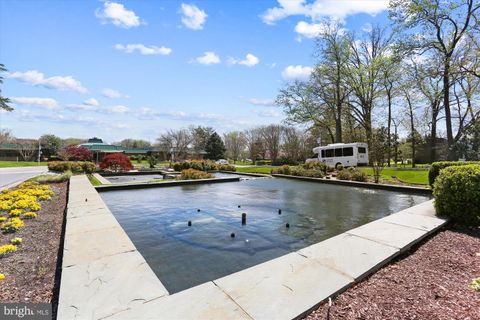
(345, 154)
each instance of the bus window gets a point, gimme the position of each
(362, 150)
(338, 152)
(348, 152)
(329, 153)
(323, 153)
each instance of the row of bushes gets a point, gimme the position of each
(203, 165)
(73, 166)
(298, 171)
(437, 166)
(352, 174)
(192, 174)
(457, 193)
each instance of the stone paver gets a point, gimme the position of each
(425, 208)
(108, 285)
(89, 246)
(350, 254)
(394, 235)
(282, 288)
(90, 223)
(203, 302)
(102, 272)
(422, 222)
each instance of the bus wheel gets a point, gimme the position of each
(338, 165)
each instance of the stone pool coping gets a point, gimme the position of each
(127, 186)
(381, 186)
(251, 174)
(105, 277)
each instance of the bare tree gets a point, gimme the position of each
(293, 143)
(272, 137)
(235, 142)
(254, 143)
(27, 148)
(175, 142)
(6, 136)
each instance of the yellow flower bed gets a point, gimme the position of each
(6, 249)
(19, 204)
(2, 276)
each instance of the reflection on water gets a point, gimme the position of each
(182, 256)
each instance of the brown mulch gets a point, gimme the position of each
(430, 283)
(30, 272)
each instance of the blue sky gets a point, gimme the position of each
(133, 69)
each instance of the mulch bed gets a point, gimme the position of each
(30, 272)
(430, 283)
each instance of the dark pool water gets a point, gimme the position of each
(182, 256)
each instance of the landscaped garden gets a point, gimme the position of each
(31, 220)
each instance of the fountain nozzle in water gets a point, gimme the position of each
(198, 210)
(244, 218)
(232, 235)
(287, 225)
(239, 206)
(189, 223)
(279, 211)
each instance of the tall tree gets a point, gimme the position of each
(440, 26)
(3, 100)
(272, 136)
(365, 74)
(134, 143)
(200, 136)
(254, 143)
(175, 142)
(215, 147)
(51, 144)
(234, 144)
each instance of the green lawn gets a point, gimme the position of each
(12, 164)
(256, 169)
(94, 181)
(417, 176)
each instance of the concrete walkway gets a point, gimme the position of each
(10, 177)
(283, 288)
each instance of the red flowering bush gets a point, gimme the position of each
(116, 162)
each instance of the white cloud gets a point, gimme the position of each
(297, 72)
(111, 93)
(36, 78)
(91, 102)
(47, 103)
(208, 58)
(262, 102)
(319, 9)
(249, 61)
(117, 109)
(193, 17)
(367, 27)
(267, 113)
(309, 30)
(117, 14)
(150, 50)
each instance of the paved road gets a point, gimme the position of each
(10, 176)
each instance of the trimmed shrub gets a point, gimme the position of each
(315, 165)
(298, 171)
(284, 161)
(344, 175)
(457, 194)
(437, 166)
(202, 165)
(74, 166)
(192, 174)
(116, 162)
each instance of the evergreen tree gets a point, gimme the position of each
(215, 147)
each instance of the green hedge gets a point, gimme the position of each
(298, 171)
(202, 165)
(457, 194)
(73, 166)
(437, 166)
